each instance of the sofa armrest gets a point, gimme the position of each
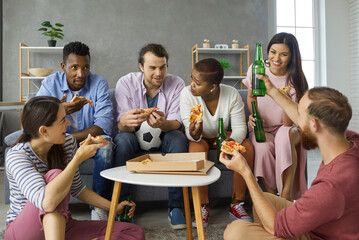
(12, 137)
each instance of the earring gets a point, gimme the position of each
(211, 90)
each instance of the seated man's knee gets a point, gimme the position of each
(176, 137)
(236, 230)
(125, 139)
(175, 141)
(107, 151)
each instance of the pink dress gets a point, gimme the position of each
(274, 155)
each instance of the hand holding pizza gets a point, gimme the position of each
(237, 163)
(157, 119)
(195, 130)
(87, 149)
(73, 106)
(133, 118)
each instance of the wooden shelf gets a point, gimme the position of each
(42, 48)
(6, 106)
(32, 77)
(221, 51)
(240, 51)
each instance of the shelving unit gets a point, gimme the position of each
(25, 75)
(240, 51)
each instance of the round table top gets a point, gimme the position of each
(120, 174)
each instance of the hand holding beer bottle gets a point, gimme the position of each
(258, 126)
(258, 86)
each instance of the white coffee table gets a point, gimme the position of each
(121, 175)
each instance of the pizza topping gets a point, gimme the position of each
(230, 146)
(144, 162)
(196, 114)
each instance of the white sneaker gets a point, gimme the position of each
(98, 214)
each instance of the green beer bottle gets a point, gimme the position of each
(258, 128)
(124, 216)
(258, 86)
(221, 136)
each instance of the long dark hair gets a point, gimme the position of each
(295, 74)
(42, 111)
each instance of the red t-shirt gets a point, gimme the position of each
(329, 209)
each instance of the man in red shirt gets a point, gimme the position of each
(329, 209)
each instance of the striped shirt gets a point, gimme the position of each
(25, 171)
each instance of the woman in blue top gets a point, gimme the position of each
(42, 169)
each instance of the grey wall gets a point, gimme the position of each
(115, 30)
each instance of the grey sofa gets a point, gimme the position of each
(220, 189)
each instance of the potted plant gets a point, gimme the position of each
(52, 32)
(225, 64)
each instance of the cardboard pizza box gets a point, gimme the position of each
(171, 162)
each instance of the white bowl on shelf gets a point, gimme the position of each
(40, 72)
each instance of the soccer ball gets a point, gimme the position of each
(148, 137)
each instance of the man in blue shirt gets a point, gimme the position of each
(85, 119)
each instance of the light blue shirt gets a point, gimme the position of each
(95, 89)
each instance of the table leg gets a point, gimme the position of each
(112, 213)
(198, 213)
(187, 213)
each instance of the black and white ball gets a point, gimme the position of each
(148, 137)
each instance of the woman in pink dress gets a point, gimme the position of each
(280, 161)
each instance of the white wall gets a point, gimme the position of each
(337, 45)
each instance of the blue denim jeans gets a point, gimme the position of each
(127, 147)
(103, 159)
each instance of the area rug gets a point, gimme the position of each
(212, 232)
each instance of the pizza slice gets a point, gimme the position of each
(230, 146)
(196, 114)
(78, 98)
(285, 89)
(148, 111)
(96, 140)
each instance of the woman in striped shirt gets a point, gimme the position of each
(42, 169)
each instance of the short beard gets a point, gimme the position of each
(308, 139)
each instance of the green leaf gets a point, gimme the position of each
(42, 29)
(46, 24)
(225, 64)
(59, 25)
(57, 29)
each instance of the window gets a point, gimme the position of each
(296, 17)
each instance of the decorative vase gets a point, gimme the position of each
(206, 43)
(235, 43)
(51, 43)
